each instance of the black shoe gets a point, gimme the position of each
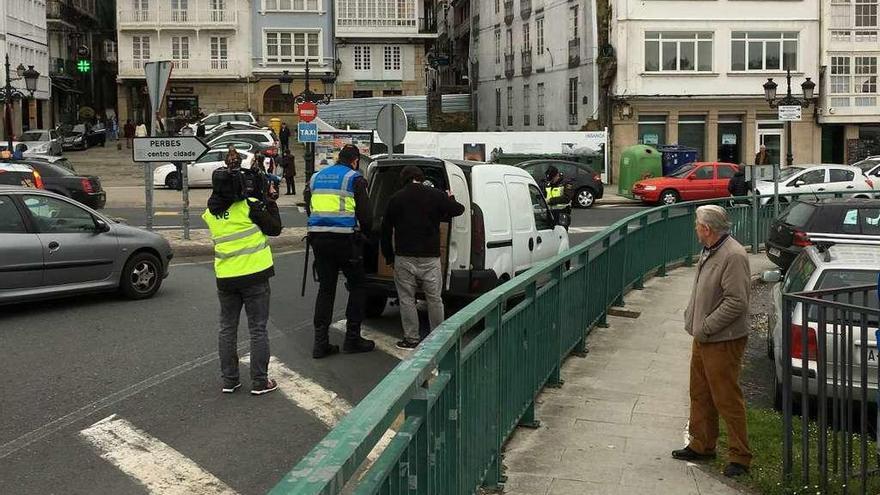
(228, 389)
(407, 345)
(327, 350)
(265, 388)
(689, 454)
(735, 469)
(358, 346)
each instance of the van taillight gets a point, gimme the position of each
(478, 239)
(801, 239)
(797, 343)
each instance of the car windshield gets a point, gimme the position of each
(788, 172)
(32, 136)
(799, 214)
(684, 170)
(867, 165)
(79, 128)
(836, 279)
(51, 170)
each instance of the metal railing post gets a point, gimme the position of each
(624, 239)
(555, 380)
(451, 363)
(639, 284)
(664, 216)
(756, 204)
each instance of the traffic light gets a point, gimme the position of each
(83, 66)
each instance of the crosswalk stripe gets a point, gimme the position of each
(157, 466)
(384, 342)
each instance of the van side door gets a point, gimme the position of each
(546, 239)
(459, 251)
(522, 221)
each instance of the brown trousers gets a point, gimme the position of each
(715, 391)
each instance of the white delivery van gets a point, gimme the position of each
(505, 229)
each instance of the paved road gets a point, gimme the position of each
(102, 395)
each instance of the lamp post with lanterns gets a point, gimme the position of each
(307, 95)
(9, 94)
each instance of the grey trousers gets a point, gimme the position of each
(410, 275)
(255, 300)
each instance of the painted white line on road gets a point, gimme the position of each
(166, 213)
(384, 342)
(154, 464)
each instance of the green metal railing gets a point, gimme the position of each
(455, 402)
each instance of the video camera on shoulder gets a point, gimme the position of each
(241, 183)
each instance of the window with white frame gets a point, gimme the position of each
(573, 22)
(292, 47)
(497, 46)
(290, 5)
(140, 51)
(180, 52)
(764, 51)
(573, 101)
(527, 42)
(377, 13)
(685, 51)
(179, 10)
(866, 13)
(497, 6)
(539, 35)
(510, 105)
(540, 116)
(392, 58)
(362, 58)
(219, 52)
(141, 10)
(508, 46)
(865, 75)
(841, 75)
(527, 104)
(498, 107)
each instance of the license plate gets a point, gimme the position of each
(774, 252)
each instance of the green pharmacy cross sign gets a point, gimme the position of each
(83, 66)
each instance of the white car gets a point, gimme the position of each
(262, 136)
(810, 179)
(38, 142)
(213, 120)
(199, 171)
(870, 166)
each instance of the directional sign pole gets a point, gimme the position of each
(184, 186)
(157, 75)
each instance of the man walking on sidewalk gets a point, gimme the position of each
(413, 219)
(717, 318)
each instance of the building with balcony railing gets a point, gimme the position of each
(23, 38)
(209, 43)
(383, 46)
(850, 98)
(554, 84)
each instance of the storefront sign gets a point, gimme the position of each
(790, 113)
(728, 139)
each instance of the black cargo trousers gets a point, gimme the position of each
(335, 253)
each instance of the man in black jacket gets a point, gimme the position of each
(243, 265)
(284, 136)
(413, 220)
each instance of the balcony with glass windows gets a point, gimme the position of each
(135, 19)
(851, 90)
(386, 19)
(525, 9)
(574, 52)
(526, 61)
(854, 26)
(508, 65)
(183, 68)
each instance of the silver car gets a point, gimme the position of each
(53, 246)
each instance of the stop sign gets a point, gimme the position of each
(307, 111)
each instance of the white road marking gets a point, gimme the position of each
(157, 466)
(384, 342)
(166, 213)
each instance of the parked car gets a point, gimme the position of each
(839, 266)
(40, 142)
(85, 189)
(199, 172)
(506, 227)
(56, 160)
(807, 222)
(83, 136)
(15, 173)
(699, 180)
(246, 144)
(870, 166)
(214, 119)
(811, 179)
(586, 182)
(59, 247)
(262, 136)
(228, 127)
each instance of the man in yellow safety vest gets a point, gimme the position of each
(557, 191)
(240, 218)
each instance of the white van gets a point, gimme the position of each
(505, 229)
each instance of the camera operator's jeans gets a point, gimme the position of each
(255, 300)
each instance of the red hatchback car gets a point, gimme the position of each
(693, 181)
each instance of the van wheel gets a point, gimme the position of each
(375, 305)
(669, 197)
(584, 197)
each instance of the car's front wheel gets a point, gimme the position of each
(669, 197)
(141, 277)
(585, 197)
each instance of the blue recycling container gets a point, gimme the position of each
(674, 156)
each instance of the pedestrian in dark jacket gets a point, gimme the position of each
(200, 129)
(288, 162)
(738, 185)
(284, 136)
(412, 221)
(128, 131)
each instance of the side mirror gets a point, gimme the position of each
(563, 219)
(101, 226)
(771, 276)
(799, 183)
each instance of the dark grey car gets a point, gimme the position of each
(53, 246)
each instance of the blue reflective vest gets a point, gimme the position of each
(332, 202)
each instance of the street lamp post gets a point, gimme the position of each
(770, 87)
(9, 93)
(307, 95)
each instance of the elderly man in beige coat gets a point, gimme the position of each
(717, 318)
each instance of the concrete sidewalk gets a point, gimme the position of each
(622, 410)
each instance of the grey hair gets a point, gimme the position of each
(715, 218)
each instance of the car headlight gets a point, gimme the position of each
(78, 139)
(650, 188)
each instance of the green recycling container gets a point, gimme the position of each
(636, 163)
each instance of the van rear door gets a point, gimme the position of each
(459, 250)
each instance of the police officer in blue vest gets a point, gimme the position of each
(339, 217)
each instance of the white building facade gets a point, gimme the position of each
(536, 65)
(23, 37)
(209, 42)
(850, 102)
(691, 73)
(381, 46)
